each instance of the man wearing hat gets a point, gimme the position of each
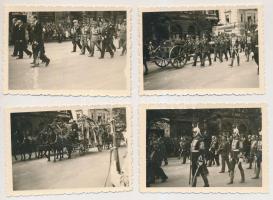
(106, 36)
(258, 157)
(224, 149)
(198, 166)
(234, 49)
(197, 50)
(94, 38)
(236, 156)
(76, 35)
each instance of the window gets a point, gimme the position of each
(227, 19)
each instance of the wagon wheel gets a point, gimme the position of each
(161, 58)
(178, 57)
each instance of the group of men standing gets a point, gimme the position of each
(98, 34)
(23, 34)
(204, 151)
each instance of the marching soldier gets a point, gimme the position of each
(197, 50)
(106, 41)
(236, 157)
(253, 149)
(85, 37)
(95, 39)
(217, 49)
(224, 149)
(255, 48)
(76, 35)
(205, 51)
(14, 36)
(258, 157)
(213, 150)
(198, 165)
(234, 50)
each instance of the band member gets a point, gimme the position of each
(234, 50)
(76, 35)
(94, 39)
(224, 149)
(38, 43)
(198, 166)
(85, 37)
(258, 157)
(236, 156)
(21, 40)
(122, 37)
(14, 35)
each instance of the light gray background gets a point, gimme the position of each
(135, 99)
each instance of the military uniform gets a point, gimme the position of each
(253, 149)
(218, 49)
(95, 38)
(236, 159)
(106, 42)
(122, 38)
(234, 51)
(205, 51)
(76, 37)
(248, 47)
(258, 157)
(213, 150)
(224, 149)
(85, 37)
(197, 51)
(198, 161)
(184, 150)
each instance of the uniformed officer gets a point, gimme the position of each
(258, 157)
(197, 50)
(217, 49)
(21, 40)
(248, 45)
(14, 36)
(106, 36)
(253, 149)
(85, 37)
(224, 150)
(184, 149)
(255, 48)
(162, 149)
(205, 51)
(213, 150)
(94, 39)
(76, 35)
(198, 165)
(234, 50)
(236, 156)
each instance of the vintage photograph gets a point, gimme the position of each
(213, 147)
(69, 51)
(213, 50)
(82, 149)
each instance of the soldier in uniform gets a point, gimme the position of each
(214, 155)
(184, 149)
(94, 39)
(234, 50)
(217, 49)
(162, 149)
(122, 37)
(255, 48)
(14, 36)
(236, 156)
(224, 149)
(197, 50)
(248, 46)
(85, 37)
(258, 157)
(76, 35)
(253, 149)
(205, 51)
(106, 41)
(198, 166)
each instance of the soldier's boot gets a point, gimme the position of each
(231, 175)
(206, 181)
(250, 165)
(194, 182)
(232, 60)
(242, 176)
(257, 173)
(238, 60)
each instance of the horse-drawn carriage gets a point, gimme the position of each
(174, 53)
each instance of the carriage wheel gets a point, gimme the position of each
(161, 58)
(177, 57)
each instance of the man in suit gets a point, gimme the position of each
(38, 43)
(21, 40)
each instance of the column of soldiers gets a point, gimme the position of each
(24, 34)
(203, 151)
(98, 35)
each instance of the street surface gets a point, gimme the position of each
(179, 176)
(218, 75)
(86, 171)
(68, 70)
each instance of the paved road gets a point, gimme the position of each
(68, 71)
(89, 170)
(219, 75)
(179, 176)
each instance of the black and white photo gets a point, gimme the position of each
(69, 149)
